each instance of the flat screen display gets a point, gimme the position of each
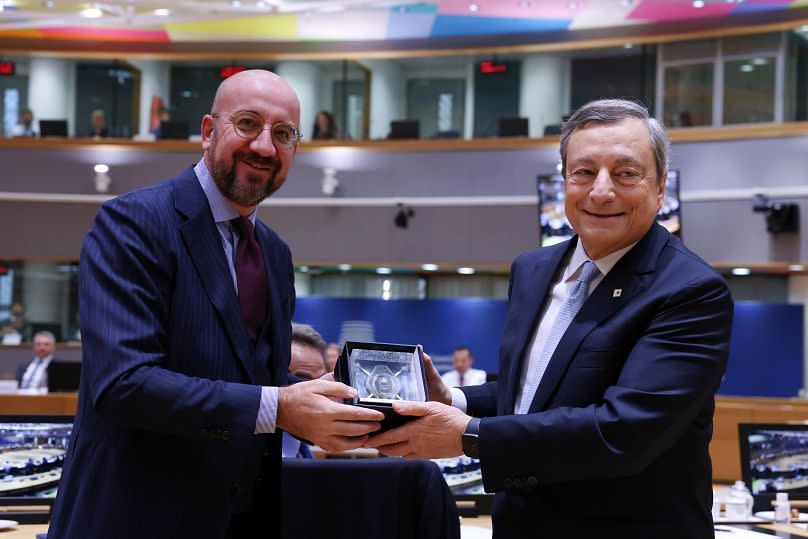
(32, 453)
(774, 458)
(555, 228)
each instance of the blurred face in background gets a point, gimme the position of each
(43, 346)
(307, 362)
(462, 360)
(331, 356)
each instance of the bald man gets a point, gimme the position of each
(186, 304)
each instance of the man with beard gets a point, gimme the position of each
(186, 303)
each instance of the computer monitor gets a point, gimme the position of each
(64, 376)
(404, 129)
(513, 127)
(34, 448)
(53, 128)
(774, 458)
(174, 130)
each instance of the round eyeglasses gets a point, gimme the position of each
(248, 125)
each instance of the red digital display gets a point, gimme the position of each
(7, 68)
(3, 270)
(492, 67)
(229, 71)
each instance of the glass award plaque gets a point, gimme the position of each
(383, 374)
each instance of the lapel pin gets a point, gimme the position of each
(617, 292)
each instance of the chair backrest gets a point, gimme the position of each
(366, 498)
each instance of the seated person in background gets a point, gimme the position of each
(98, 123)
(332, 352)
(325, 127)
(34, 374)
(463, 375)
(15, 328)
(163, 115)
(26, 127)
(307, 363)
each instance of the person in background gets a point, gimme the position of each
(15, 328)
(463, 375)
(98, 124)
(332, 352)
(163, 115)
(26, 127)
(614, 345)
(186, 302)
(33, 375)
(325, 127)
(307, 363)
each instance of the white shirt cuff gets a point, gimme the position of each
(267, 411)
(459, 399)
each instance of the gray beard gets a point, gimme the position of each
(248, 193)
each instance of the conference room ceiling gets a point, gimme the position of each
(358, 20)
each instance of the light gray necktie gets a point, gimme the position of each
(575, 299)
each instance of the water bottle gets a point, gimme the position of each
(739, 502)
(782, 509)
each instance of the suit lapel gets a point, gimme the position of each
(205, 248)
(530, 297)
(629, 275)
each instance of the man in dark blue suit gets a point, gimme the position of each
(614, 345)
(186, 301)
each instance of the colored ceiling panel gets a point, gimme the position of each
(269, 27)
(359, 25)
(410, 25)
(600, 13)
(417, 8)
(449, 25)
(103, 34)
(665, 10)
(760, 6)
(514, 9)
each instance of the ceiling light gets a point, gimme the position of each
(1, 7)
(101, 168)
(303, 269)
(386, 285)
(572, 5)
(344, 267)
(386, 295)
(48, 3)
(465, 271)
(261, 4)
(698, 3)
(746, 68)
(760, 61)
(741, 271)
(796, 267)
(91, 13)
(474, 7)
(236, 3)
(384, 271)
(625, 3)
(429, 267)
(628, 45)
(162, 12)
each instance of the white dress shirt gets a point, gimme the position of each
(36, 374)
(558, 293)
(472, 377)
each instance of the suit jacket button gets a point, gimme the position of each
(235, 490)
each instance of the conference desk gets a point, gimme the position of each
(724, 449)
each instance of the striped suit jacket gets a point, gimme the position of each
(163, 443)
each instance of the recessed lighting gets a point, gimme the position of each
(384, 271)
(386, 285)
(91, 13)
(162, 12)
(303, 269)
(474, 7)
(429, 267)
(747, 68)
(698, 3)
(628, 45)
(796, 267)
(465, 271)
(741, 271)
(344, 267)
(101, 168)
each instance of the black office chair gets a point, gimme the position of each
(366, 499)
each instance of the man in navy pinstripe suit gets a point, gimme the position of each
(186, 301)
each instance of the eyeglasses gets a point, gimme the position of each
(248, 125)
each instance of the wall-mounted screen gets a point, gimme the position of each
(555, 228)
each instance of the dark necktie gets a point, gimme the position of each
(251, 276)
(461, 380)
